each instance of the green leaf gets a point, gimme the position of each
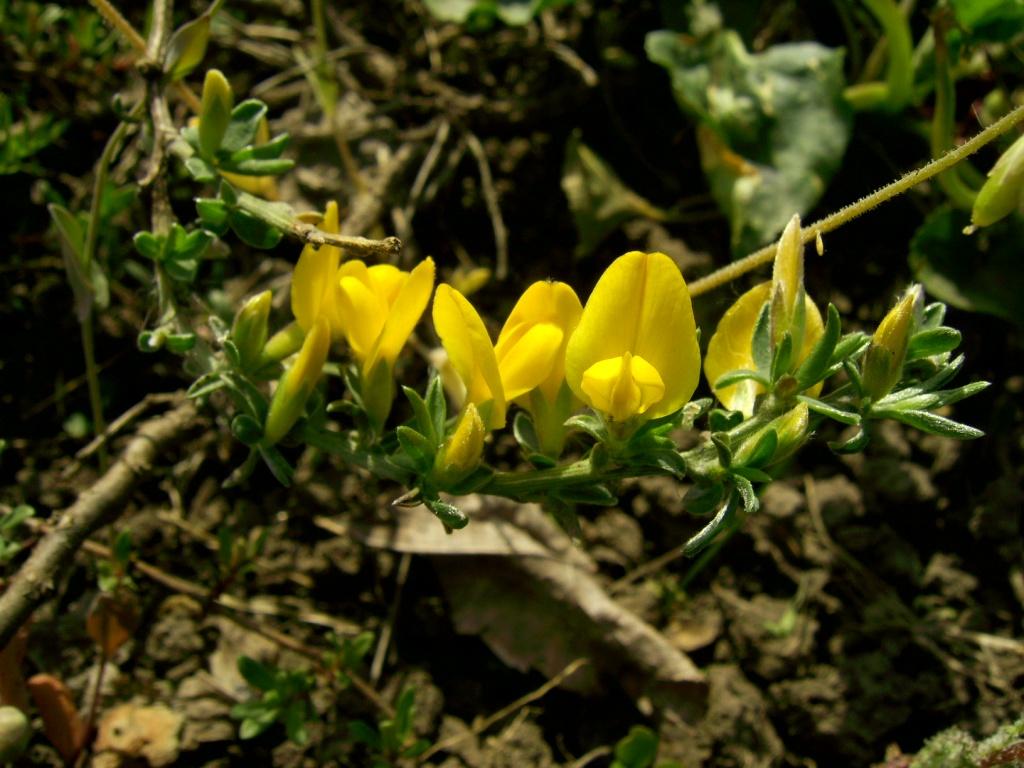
(773, 125)
(364, 733)
(149, 245)
(187, 47)
(762, 451)
(421, 417)
(245, 121)
(750, 501)
(590, 423)
(122, 549)
(703, 499)
(213, 213)
(855, 444)
(405, 707)
(990, 20)
(253, 727)
(823, 408)
(253, 231)
(980, 273)
(931, 342)
(437, 405)
(783, 356)
(295, 717)
(724, 518)
(278, 465)
(638, 748)
(721, 420)
(931, 423)
(16, 517)
(256, 167)
(200, 170)
(256, 674)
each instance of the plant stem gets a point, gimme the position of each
(92, 378)
(846, 214)
(899, 78)
(120, 23)
(952, 183)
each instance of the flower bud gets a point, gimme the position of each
(461, 452)
(297, 383)
(1003, 191)
(218, 101)
(791, 430)
(788, 285)
(883, 362)
(249, 331)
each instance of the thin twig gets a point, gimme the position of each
(97, 506)
(493, 208)
(507, 710)
(853, 210)
(151, 399)
(377, 666)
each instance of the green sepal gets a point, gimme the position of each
(761, 341)
(417, 447)
(783, 356)
(813, 368)
(590, 423)
(422, 417)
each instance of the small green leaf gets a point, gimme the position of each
(818, 406)
(122, 549)
(363, 733)
(244, 123)
(733, 377)
(750, 501)
(187, 47)
(295, 717)
(437, 405)
(812, 369)
(213, 213)
(931, 342)
(200, 170)
(638, 748)
(724, 518)
(855, 444)
(596, 495)
(257, 167)
(761, 341)
(149, 245)
(416, 446)
(525, 434)
(722, 421)
(932, 423)
(783, 357)
(591, 424)
(253, 231)
(256, 674)
(703, 499)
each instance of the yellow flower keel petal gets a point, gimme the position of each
(623, 386)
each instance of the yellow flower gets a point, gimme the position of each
(315, 283)
(634, 353)
(531, 345)
(730, 346)
(249, 331)
(531, 358)
(470, 353)
(381, 306)
(297, 383)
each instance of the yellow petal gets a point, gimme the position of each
(729, 347)
(547, 302)
(470, 352)
(405, 312)
(461, 452)
(297, 383)
(623, 387)
(387, 281)
(787, 276)
(640, 305)
(364, 311)
(528, 362)
(313, 280)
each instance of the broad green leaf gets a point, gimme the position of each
(253, 231)
(995, 20)
(773, 125)
(187, 47)
(980, 272)
(599, 201)
(638, 748)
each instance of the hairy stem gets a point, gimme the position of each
(850, 212)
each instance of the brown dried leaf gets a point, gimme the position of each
(533, 599)
(12, 678)
(61, 722)
(112, 620)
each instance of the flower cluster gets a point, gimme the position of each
(622, 368)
